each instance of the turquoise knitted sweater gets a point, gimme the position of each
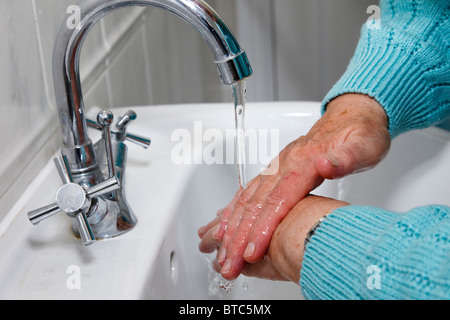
(366, 252)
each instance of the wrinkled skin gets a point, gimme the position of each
(352, 136)
(284, 257)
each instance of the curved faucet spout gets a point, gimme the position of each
(230, 59)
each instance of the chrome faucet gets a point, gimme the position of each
(93, 191)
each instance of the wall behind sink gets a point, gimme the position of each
(138, 56)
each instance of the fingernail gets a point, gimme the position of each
(250, 250)
(222, 255)
(226, 267)
(334, 162)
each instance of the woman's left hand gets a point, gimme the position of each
(284, 257)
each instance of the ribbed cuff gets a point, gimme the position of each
(335, 262)
(405, 76)
(408, 251)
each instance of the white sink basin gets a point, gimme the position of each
(160, 258)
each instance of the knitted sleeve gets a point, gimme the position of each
(368, 253)
(404, 63)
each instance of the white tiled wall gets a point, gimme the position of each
(29, 129)
(26, 111)
(138, 56)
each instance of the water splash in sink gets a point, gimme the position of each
(218, 285)
(216, 282)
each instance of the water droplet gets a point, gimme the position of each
(226, 285)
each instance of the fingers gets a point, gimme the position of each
(237, 214)
(203, 230)
(356, 154)
(359, 137)
(209, 242)
(254, 233)
(228, 216)
(290, 189)
(223, 217)
(246, 212)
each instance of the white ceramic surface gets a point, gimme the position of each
(159, 258)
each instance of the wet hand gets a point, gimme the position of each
(284, 257)
(351, 136)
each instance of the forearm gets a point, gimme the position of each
(403, 65)
(409, 251)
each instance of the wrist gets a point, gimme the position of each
(358, 105)
(287, 246)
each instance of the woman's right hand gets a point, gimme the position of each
(284, 258)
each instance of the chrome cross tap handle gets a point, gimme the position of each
(104, 119)
(127, 118)
(74, 200)
(119, 130)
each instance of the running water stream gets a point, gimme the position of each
(239, 90)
